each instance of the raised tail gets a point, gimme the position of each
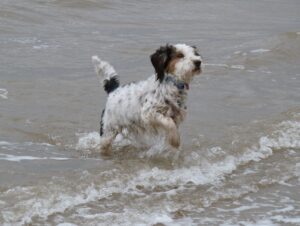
(106, 74)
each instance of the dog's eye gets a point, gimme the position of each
(179, 55)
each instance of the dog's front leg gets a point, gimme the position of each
(169, 126)
(106, 143)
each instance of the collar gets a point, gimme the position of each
(180, 84)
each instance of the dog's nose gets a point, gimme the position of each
(197, 63)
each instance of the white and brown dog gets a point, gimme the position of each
(155, 104)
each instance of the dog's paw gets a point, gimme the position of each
(174, 139)
(106, 151)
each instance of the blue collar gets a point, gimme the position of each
(180, 84)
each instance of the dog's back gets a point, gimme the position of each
(125, 104)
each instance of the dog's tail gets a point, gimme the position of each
(106, 73)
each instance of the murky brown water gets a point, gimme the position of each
(239, 163)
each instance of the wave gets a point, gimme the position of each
(148, 182)
(18, 158)
(14, 152)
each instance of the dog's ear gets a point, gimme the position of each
(160, 60)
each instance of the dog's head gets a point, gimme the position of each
(180, 60)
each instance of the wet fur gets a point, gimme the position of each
(151, 105)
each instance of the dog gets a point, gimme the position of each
(155, 104)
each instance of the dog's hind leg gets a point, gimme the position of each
(101, 122)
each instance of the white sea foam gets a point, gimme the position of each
(160, 177)
(41, 46)
(18, 158)
(162, 214)
(286, 136)
(135, 217)
(283, 210)
(25, 40)
(260, 222)
(88, 141)
(260, 50)
(40, 148)
(56, 201)
(146, 179)
(216, 65)
(266, 72)
(6, 143)
(28, 146)
(45, 206)
(3, 93)
(240, 67)
(240, 209)
(91, 141)
(297, 171)
(198, 172)
(284, 219)
(66, 224)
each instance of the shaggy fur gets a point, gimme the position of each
(155, 104)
